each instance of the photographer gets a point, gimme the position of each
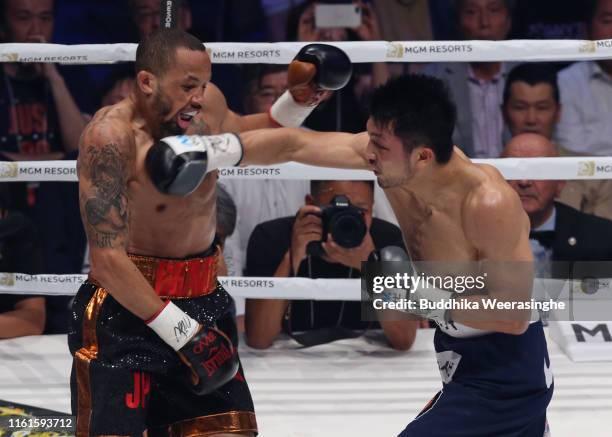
(293, 246)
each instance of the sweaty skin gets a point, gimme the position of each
(459, 211)
(121, 209)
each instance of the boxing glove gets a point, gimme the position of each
(177, 165)
(315, 69)
(208, 353)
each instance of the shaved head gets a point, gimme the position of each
(529, 145)
(537, 196)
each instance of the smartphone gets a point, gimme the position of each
(337, 15)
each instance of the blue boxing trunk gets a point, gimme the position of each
(494, 385)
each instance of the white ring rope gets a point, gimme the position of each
(358, 51)
(263, 287)
(250, 287)
(563, 168)
(282, 53)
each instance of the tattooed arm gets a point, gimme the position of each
(105, 164)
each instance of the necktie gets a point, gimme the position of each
(545, 238)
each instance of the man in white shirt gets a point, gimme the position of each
(267, 199)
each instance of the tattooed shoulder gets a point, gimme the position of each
(107, 153)
(105, 202)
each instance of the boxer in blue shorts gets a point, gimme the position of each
(494, 362)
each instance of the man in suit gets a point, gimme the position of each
(477, 87)
(284, 248)
(558, 232)
(531, 104)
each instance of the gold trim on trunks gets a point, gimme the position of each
(83, 358)
(230, 422)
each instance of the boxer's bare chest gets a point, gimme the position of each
(166, 225)
(432, 232)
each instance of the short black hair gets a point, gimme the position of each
(419, 110)
(316, 185)
(532, 73)
(157, 51)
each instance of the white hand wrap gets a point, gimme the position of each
(434, 296)
(174, 326)
(224, 150)
(289, 113)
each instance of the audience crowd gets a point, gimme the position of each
(267, 227)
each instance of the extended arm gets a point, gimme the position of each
(264, 317)
(316, 71)
(177, 165)
(71, 120)
(27, 318)
(326, 149)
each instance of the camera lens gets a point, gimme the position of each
(348, 229)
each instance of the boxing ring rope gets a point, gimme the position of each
(358, 51)
(558, 168)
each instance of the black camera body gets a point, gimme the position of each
(345, 222)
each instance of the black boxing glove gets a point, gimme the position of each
(315, 69)
(211, 358)
(208, 353)
(177, 165)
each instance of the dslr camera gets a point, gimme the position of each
(345, 222)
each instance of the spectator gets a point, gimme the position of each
(40, 120)
(346, 110)
(586, 94)
(117, 87)
(279, 248)
(261, 200)
(404, 21)
(477, 87)
(531, 105)
(147, 16)
(19, 252)
(276, 13)
(569, 235)
(550, 19)
(226, 225)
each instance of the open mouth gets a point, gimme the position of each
(184, 118)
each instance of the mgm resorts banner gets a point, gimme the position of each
(486, 290)
(18, 420)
